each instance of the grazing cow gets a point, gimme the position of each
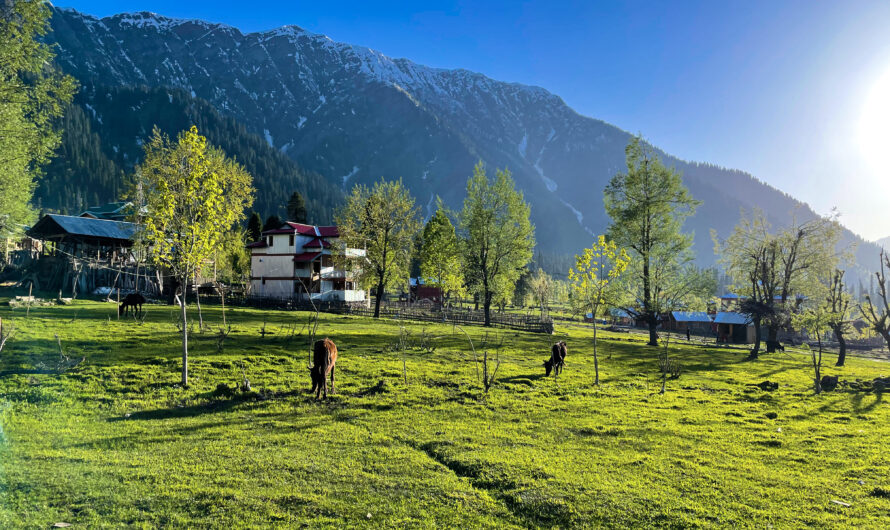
(133, 301)
(557, 358)
(324, 357)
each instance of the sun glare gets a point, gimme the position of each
(874, 128)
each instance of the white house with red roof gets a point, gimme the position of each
(295, 261)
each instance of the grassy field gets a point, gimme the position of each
(116, 442)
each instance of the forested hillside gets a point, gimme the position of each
(106, 127)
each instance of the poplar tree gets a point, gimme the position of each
(383, 221)
(440, 259)
(648, 205)
(498, 236)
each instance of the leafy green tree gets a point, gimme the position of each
(296, 208)
(498, 235)
(440, 259)
(817, 321)
(541, 287)
(33, 97)
(595, 273)
(384, 221)
(254, 227)
(194, 195)
(648, 205)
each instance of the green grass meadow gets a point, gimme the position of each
(116, 442)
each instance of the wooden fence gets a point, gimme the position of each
(397, 311)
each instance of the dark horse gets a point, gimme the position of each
(324, 357)
(557, 358)
(133, 301)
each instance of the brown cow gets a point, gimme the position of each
(557, 358)
(324, 356)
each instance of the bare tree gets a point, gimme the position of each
(877, 312)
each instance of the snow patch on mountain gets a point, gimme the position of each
(268, 137)
(523, 144)
(349, 176)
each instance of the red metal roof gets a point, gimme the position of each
(306, 256)
(305, 230)
(329, 231)
(317, 243)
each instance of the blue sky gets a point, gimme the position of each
(789, 91)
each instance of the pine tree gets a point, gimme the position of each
(296, 208)
(254, 227)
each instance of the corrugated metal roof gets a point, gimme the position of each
(52, 225)
(691, 316)
(306, 256)
(730, 317)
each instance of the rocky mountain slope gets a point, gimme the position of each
(353, 115)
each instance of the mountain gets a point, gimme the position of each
(352, 114)
(885, 242)
(104, 130)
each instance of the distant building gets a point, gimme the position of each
(734, 327)
(84, 237)
(695, 321)
(113, 211)
(295, 261)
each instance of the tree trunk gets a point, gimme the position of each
(378, 299)
(653, 333)
(755, 351)
(198, 299)
(486, 307)
(842, 346)
(596, 364)
(772, 338)
(185, 338)
(817, 368)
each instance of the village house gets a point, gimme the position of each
(295, 261)
(698, 322)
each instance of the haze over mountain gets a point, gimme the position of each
(351, 114)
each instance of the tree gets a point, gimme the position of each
(498, 235)
(440, 260)
(648, 205)
(273, 222)
(837, 308)
(296, 208)
(33, 97)
(194, 195)
(541, 287)
(383, 220)
(876, 310)
(816, 321)
(777, 271)
(254, 227)
(595, 272)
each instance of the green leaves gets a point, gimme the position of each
(32, 98)
(382, 220)
(440, 257)
(498, 234)
(194, 195)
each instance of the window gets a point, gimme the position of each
(270, 241)
(290, 240)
